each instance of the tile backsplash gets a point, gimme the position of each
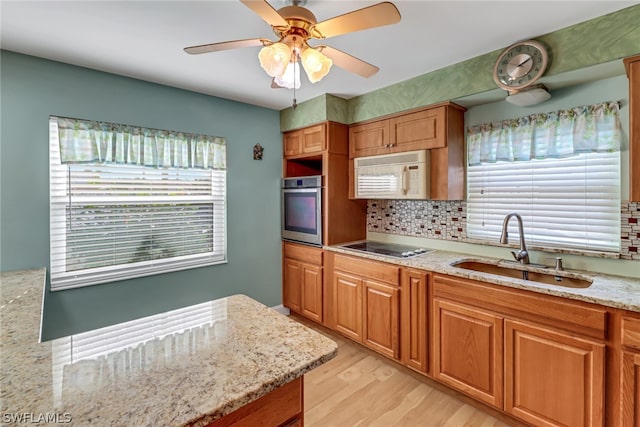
(447, 220)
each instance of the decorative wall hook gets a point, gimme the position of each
(257, 152)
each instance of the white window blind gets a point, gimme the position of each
(571, 202)
(113, 221)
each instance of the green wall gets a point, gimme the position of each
(600, 40)
(33, 88)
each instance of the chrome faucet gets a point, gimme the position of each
(522, 255)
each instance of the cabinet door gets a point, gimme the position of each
(422, 130)
(311, 295)
(468, 350)
(347, 305)
(291, 285)
(382, 318)
(414, 319)
(313, 140)
(292, 143)
(630, 389)
(369, 139)
(552, 378)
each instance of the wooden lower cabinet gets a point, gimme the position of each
(552, 378)
(468, 352)
(347, 303)
(366, 303)
(302, 284)
(381, 309)
(537, 358)
(291, 285)
(630, 389)
(283, 407)
(414, 313)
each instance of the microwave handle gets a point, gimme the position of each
(405, 180)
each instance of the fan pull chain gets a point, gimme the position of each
(295, 64)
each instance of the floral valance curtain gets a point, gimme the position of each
(83, 141)
(591, 128)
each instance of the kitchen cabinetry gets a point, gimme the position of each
(632, 66)
(322, 149)
(282, 407)
(414, 314)
(366, 302)
(630, 372)
(369, 139)
(302, 286)
(303, 142)
(553, 355)
(553, 378)
(468, 350)
(347, 303)
(420, 130)
(438, 128)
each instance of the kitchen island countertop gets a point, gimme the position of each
(189, 366)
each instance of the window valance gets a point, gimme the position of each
(590, 128)
(84, 141)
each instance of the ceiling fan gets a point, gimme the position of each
(295, 25)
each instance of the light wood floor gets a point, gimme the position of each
(361, 388)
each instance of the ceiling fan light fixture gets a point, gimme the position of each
(275, 58)
(315, 64)
(291, 77)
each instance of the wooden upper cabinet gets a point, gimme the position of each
(418, 131)
(369, 139)
(439, 129)
(426, 129)
(632, 65)
(303, 142)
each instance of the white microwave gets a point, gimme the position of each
(392, 176)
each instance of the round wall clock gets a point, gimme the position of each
(520, 65)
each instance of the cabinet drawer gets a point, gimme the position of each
(631, 333)
(370, 269)
(304, 253)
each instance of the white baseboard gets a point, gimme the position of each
(281, 309)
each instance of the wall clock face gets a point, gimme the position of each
(520, 65)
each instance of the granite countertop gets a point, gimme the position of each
(184, 367)
(608, 290)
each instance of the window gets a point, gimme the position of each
(117, 212)
(559, 171)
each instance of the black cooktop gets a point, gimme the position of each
(388, 249)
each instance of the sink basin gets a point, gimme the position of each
(530, 273)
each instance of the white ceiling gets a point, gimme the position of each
(144, 39)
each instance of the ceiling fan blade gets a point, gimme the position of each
(378, 15)
(216, 47)
(275, 85)
(266, 12)
(348, 62)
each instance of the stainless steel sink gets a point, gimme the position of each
(532, 272)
